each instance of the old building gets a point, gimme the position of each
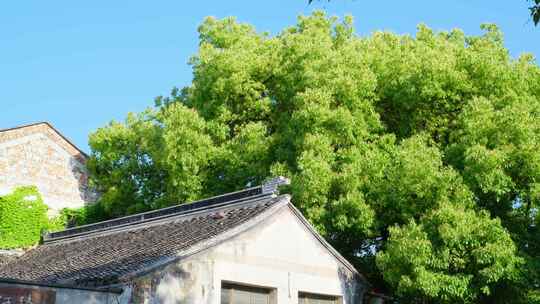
(251, 246)
(39, 155)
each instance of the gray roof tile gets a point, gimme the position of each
(103, 256)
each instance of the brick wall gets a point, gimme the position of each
(38, 155)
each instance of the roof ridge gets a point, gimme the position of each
(48, 124)
(270, 188)
(217, 209)
(24, 126)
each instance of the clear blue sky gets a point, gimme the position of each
(80, 64)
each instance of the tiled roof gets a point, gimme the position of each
(7, 256)
(108, 252)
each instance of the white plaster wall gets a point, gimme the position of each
(279, 253)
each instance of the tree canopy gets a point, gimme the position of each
(415, 156)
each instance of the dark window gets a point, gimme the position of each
(311, 298)
(241, 294)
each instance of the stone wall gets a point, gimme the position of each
(38, 155)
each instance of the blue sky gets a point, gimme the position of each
(80, 64)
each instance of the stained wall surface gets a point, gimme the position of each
(279, 254)
(35, 294)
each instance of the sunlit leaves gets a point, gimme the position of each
(188, 149)
(453, 255)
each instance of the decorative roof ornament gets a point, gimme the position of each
(272, 185)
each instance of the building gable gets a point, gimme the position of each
(285, 238)
(39, 155)
(280, 253)
(46, 129)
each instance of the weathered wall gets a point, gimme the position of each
(279, 253)
(34, 294)
(38, 155)
(70, 296)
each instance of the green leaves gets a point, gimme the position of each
(187, 149)
(127, 164)
(23, 216)
(453, 254)
(535, 11)
(420, 152)
(496, 148)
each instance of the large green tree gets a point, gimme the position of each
(415, 156)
